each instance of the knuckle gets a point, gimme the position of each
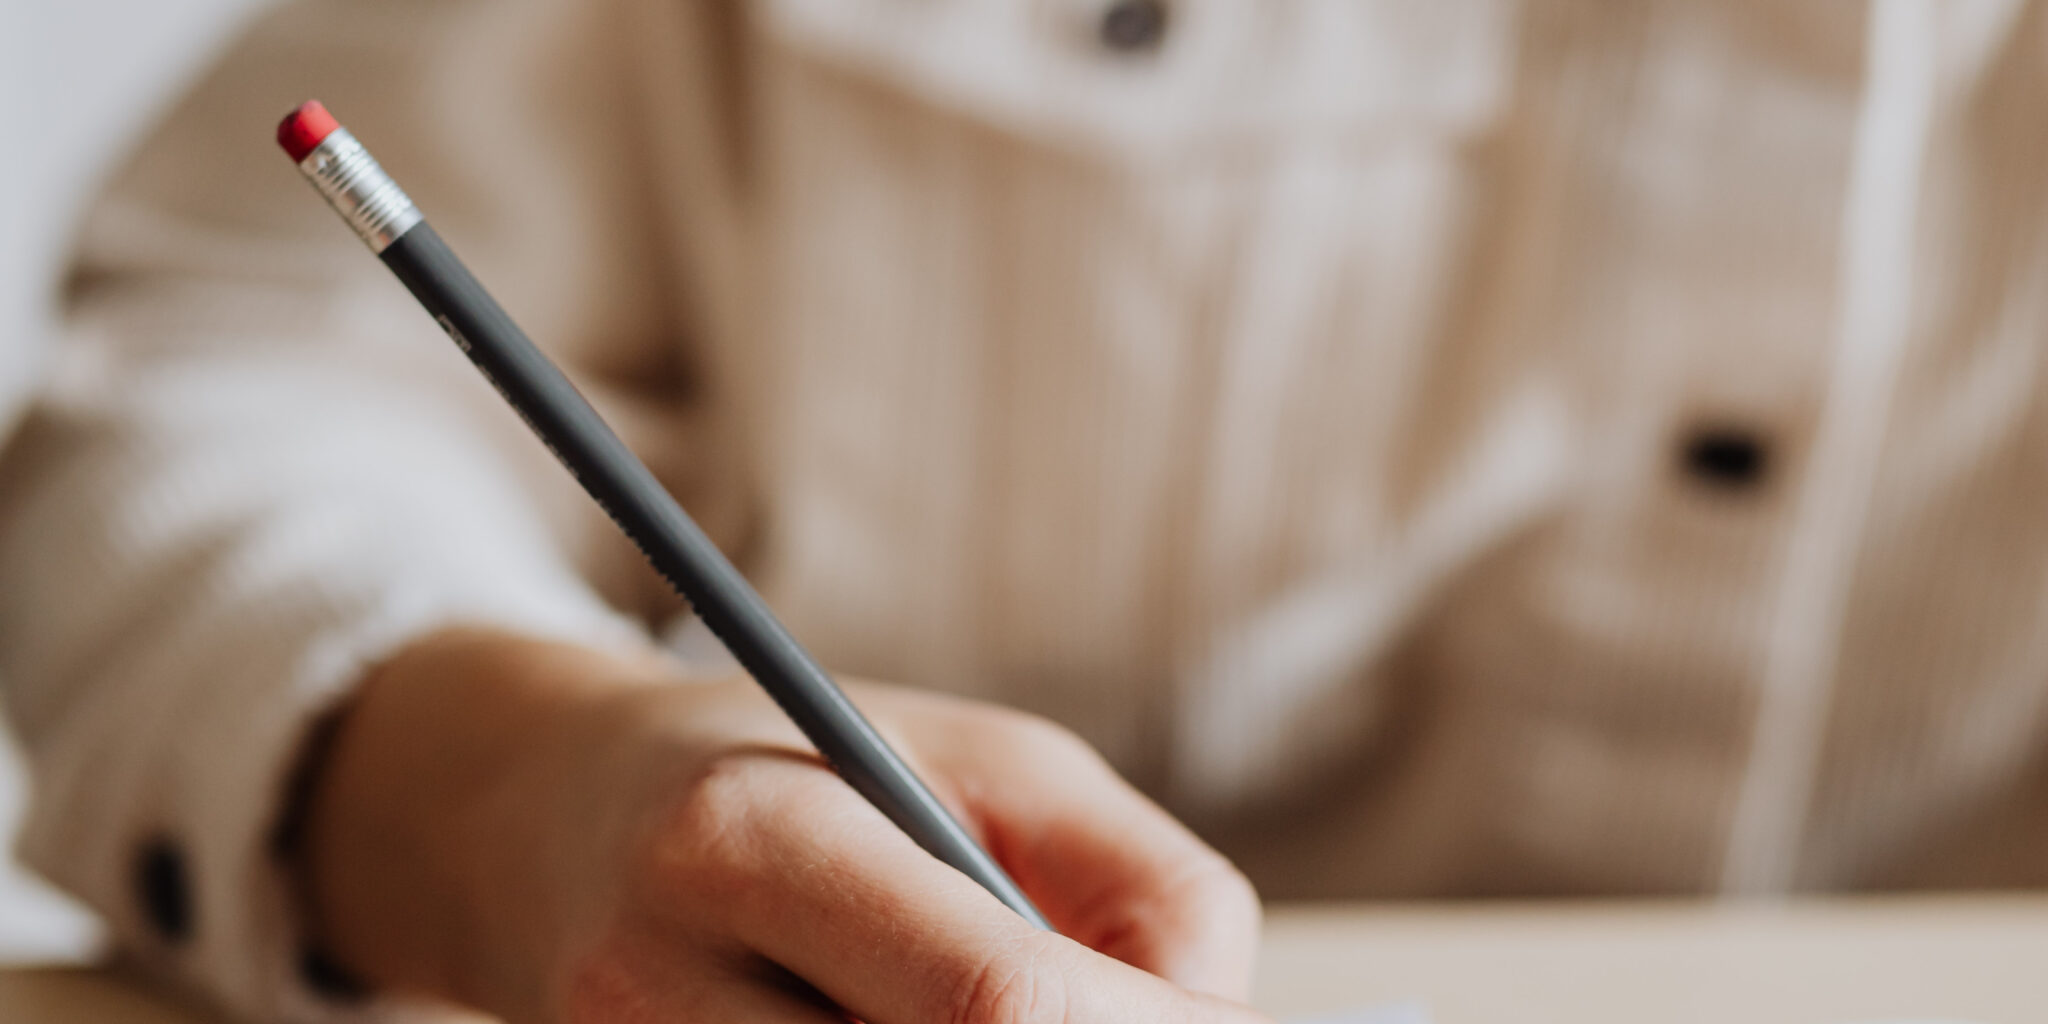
(1014, 986)
(1216, 889)
(1041, 736)
(1223, 881)
(1237, 897)
(705, 844)
(737, 826)
(715, 806)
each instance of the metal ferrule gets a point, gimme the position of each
(359, 190)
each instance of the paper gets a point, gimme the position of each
(1411, 1013)
(1399, 1013)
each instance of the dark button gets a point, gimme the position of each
(1726, 457)
(330, 979)
(1134, 26)
(163, 886)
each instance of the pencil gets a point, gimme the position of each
(381, 214)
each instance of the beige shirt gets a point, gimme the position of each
(1453, 448)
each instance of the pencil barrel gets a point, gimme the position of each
(681, 552)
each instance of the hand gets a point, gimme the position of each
(547, 833)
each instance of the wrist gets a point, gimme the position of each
(434, 856)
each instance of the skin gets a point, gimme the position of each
(549, 833)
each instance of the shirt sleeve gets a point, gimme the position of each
(260, 469)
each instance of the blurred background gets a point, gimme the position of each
(1712, 351)
(76, 77)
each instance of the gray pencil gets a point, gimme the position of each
(380, 213)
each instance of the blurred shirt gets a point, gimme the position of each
(1447, 449)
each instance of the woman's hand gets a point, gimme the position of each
(548, 833)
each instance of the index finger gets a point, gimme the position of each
(856, 909)
(1107, 865)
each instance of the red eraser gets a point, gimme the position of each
(305, 128)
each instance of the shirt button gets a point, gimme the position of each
(1725, 457)
(331, 980)
(1133, 26)
(163, 888)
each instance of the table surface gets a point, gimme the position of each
(1979, 959)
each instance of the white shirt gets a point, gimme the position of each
(1459, 448)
